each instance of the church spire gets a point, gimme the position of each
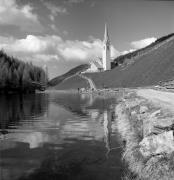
(106, 50)
(106, 35)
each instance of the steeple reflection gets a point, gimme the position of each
(107, 130)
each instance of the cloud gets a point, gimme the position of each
(54, 28)
(127, 51)
(55, 10)
(83, 50)
(114, 53)
(46, 57)
(49, 49)
(22, 16)
(79, 50)
(55, 46)
(57, 52)
(73, 53)
(142, 43)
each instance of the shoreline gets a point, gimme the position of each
(145, 122)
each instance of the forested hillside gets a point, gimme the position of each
(16, 75)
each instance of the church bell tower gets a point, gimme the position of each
(106, 50)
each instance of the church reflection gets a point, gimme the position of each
(105, 117)
(47, 129)
(107, 125)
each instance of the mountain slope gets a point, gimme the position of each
(149, 66)
(57, 80)
(125, 59)
(74, 82)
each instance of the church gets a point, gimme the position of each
(104, 63)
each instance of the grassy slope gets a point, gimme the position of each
(124, 59)
(148, 69)
(147, 66)
(56, 81)
(72, 83)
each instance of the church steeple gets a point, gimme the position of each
(106, 35)
(106, 50)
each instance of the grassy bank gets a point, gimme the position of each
(145, 128)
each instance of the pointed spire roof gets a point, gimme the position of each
(106, 35)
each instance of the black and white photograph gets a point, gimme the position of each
(86, 89)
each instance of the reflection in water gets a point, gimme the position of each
(14, 108)
(58, 136)
(107, 130)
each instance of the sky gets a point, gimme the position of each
(65, 33)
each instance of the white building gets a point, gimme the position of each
(104, 63)
(106, 51)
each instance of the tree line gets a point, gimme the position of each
(16, 75)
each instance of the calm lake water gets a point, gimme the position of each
(59, 136)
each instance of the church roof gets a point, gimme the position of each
(97, 62)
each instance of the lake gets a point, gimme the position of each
(48, 136)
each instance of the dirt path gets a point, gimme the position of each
(91, 83)
(165, 99)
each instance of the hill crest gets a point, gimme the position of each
(74, 71)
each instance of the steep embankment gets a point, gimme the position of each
(147, 66)
(69, 75)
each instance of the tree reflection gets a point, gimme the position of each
(14, 108)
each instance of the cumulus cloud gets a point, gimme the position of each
(22, 16)
(79, 50)
(142, 43)
(83, 50)
(54, 51)
(54, 47)
(31, 44)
